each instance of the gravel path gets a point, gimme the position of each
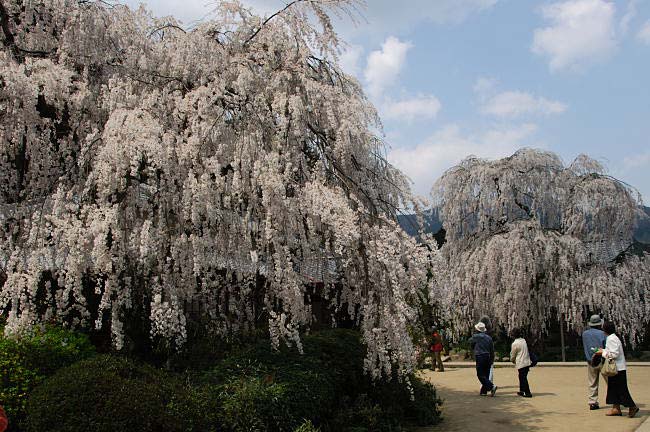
(559, 401)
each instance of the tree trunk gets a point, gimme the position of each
(562, 337)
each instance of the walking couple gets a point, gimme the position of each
(483, 348)
(601, 344)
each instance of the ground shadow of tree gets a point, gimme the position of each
(505, 412)
(553, 408)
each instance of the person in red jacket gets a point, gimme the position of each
(4, 422)
(436, 348)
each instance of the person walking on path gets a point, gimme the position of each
(593, 339)
(617, 391)
(483, 348)
(521, 358)
(436, 349)
(488, 330)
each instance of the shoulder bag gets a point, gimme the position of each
(609, 368)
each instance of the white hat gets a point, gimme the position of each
(480, 327)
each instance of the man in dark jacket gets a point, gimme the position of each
(483, 348)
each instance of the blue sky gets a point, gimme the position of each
(452, 78)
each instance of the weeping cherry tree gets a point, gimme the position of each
(145, 167)
(530, 240)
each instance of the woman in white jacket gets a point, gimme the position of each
(617, 391)
(521, 358)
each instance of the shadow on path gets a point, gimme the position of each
(467, 411)
(559, 405)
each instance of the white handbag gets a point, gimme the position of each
(609, 368)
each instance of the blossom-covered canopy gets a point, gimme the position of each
(529, 239)
(144, 167)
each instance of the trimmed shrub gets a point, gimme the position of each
(106, 394)
(256, 389)
(261, 389)
(28, 360)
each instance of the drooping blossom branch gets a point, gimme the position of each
(142, 171)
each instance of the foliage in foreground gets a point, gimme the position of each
(326, 385)
(105, 393)
(257, 389)
(26, 362)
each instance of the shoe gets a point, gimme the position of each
(614, 413)
(593, 407)
(493, 391)
(483, 394)
(528, 395)
(522, 394)
(632, 412)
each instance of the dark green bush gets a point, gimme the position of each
(106, 393)
(424, 408)
(26, 361)
(358, 415)
(254, 389)
(261, 389)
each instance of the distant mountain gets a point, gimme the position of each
(409, 223)
(432, 225)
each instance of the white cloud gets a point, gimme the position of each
(637, 161)
(512, 103)
(581, 32)
(384, 66)
(644, 33)
(516, 103)
(448, 146)
(630, 13)
(422, 107)
(485, 86)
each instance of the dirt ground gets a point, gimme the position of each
(559, 401)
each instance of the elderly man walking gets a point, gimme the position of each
(593, 339)
(483, 348)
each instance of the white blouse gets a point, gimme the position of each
(614, 350)
(519, 353)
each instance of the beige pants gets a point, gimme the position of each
(593, 374)
(437, 361)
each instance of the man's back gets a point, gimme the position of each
(592, 338)
(481, 344)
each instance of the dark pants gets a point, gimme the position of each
(483, 364)
(523, 380)
(617, 391)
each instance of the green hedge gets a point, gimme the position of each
(255, 389)
(27, 361)
(261, 389)
(106, 394)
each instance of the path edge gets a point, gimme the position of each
(645, 426)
